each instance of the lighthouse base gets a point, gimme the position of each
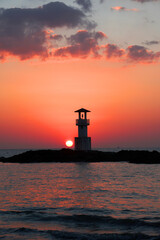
(83, 143)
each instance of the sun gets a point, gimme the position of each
(69, 143)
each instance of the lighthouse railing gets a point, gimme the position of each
(82, 121)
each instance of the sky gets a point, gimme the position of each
(59, 56)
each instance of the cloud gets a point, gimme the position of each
(144, 1)
(54, 14)
(56, 37)
(22, 31)
(138, 53)
(82, 44)
(112, 50)
(119, 8)
(133, 53)
(26, 33)
(85, 4)
(151, 42)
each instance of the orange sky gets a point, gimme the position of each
(38, 102)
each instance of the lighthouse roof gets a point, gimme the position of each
(82, 110)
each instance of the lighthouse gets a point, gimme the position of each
(82, 142)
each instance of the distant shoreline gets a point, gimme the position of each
(68, 155)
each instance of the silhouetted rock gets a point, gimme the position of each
(68, 155)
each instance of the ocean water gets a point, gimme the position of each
(79, 201)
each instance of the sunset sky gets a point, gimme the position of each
(59, 56)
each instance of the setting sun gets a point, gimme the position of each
(69, 143)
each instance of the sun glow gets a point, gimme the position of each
(69, 143)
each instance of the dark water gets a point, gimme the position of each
(79, 201)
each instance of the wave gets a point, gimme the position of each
(57, 235)
(83, 220)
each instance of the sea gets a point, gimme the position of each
(79, 201)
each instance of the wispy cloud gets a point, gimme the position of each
(151, 42)
(101, 1)
(119, 8)
(144, 1)
(85, 4)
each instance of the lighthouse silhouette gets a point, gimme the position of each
(82, 142)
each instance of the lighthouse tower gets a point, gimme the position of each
(82, 142)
